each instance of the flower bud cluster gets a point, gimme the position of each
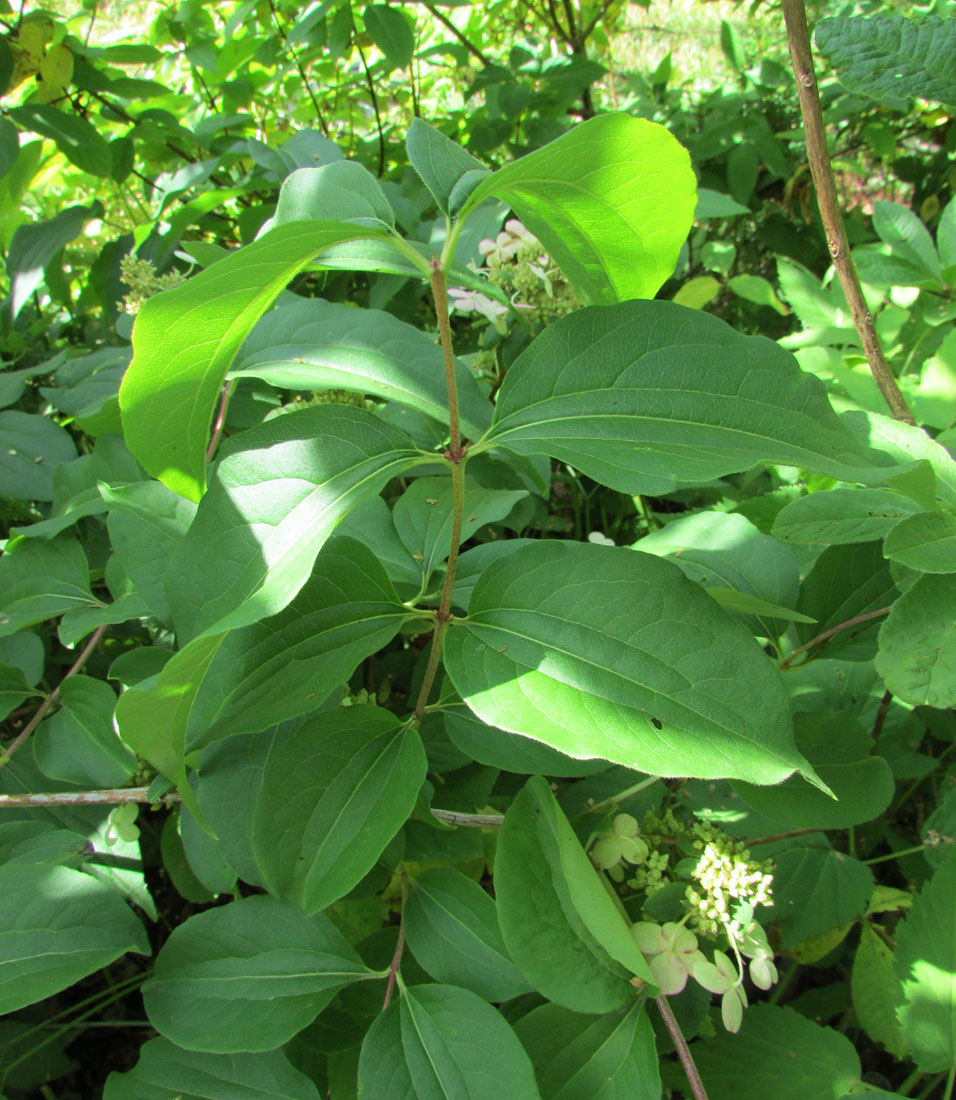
(143, 282)
(726, 876)
(518, 265)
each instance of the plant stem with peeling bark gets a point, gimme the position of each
(798, 36)
(683, 1050)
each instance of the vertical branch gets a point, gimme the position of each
(396, 962)
(220, 420)
(801, 58)
(683, 1050)
(378, 118)
(455, 456)
(298, 64)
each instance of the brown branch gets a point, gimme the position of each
(683, 1050)
(396, 962)
(801, 58)
(51, 700)
(829, 633)
(115, 796)
(469, 46)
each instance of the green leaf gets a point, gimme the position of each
(443, 1043)
(56, 926)
(184, 342)
(744, 604)
(712, 204)
(841, 752)
(146, 523)
(842, 516)
(624, 395)
(778, 1053)
(611, 201)
(153, 716)
(371, 523)
(343, 191)
(817, 890)
(389, 29)
(41, 580)
(277, 496)
(727, 552)
(876, 991)
(9, 143)
(753, 288)
(247, 976)
(890, 57)
(845, 583)
(906, 235)
(76, 138)
(423, 516)
(553, 905)
(451, 925)
(440, 162)
(318, 345)
(917, 656)
(332, 796)
(600, 652)
(31, 450)
(926, 542)
(586, 1058)
(926, 968)
(697, 293)
(288, 664)
(497, 749)
(78, 743)
(164, 1070)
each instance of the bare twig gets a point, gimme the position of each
(469, 46)
(399, 947)
(683, 1050)
(220, 420)
(52, 699)
(370, 83)
(855, 621)
(115, 796)
(802, 59)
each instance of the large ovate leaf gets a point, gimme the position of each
(32, 449)
(890, 57)
(626, 395)
(841, 751)
(917, 655)
(153, 716)
(318, 345)
(926, 967)
(289, 664)
(165, 1070)
(332, 796)
(601, 652)
(440, 1042)
(41, 580)
(778, 1053)
(552, 905)
(185, 340)
(876, 991)
(247, 976)
(842, 516)
(343, 191)
(586, 1058)
(276, 499)
(451, 925)
(612, 201)
(818, 890)
(56, 926)
(926, 542)
(440, 162)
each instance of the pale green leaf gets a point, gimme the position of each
(276, 498)
(343, 191)
(611, 201)
(624, 395)
(319, 345)
(926, 542)
(184, 342)
(600, 652)
(926, 968)
(917, 656)
(876, 991)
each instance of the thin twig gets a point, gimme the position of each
(396, 962)
(114, 796)
(798, 36)
(469, 46)
(881, 712)
(820, 638)
(470, 821)
(683, 1050)
(378, 118)
(779, 836)
(298, 65)
(52, 699)
(220, 420)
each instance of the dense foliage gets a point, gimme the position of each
(469, 627)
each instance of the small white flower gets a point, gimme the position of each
(601, 540)
(472, 301)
